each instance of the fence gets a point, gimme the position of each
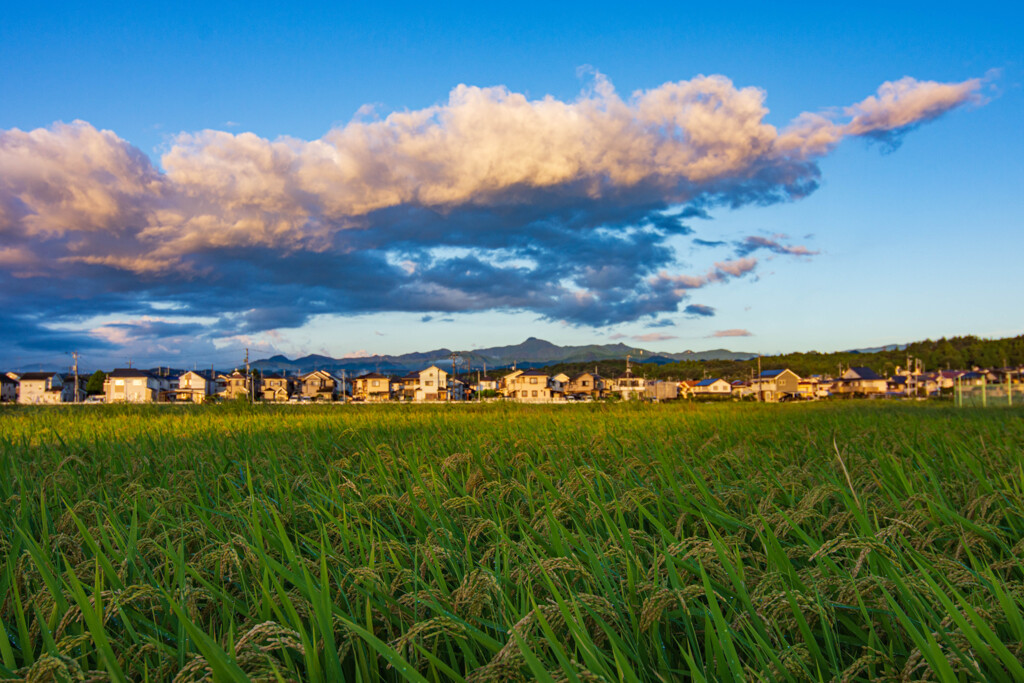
(984, 395)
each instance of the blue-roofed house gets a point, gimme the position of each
(715, 386)
(773, 385)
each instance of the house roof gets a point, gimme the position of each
(130, 372)
(4, 379)
(37, 375)
(372, 375)
(866, 373)
(708, 382)
(772, 373)
(208, 375)
(534, 373)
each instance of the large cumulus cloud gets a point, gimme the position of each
(487, 201)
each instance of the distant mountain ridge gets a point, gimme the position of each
(529, 354)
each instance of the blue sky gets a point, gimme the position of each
(294, 231)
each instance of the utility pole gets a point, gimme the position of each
(760, 382)
(74, 354)
(451, 383)
(248, 376)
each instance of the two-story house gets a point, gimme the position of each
(371, 387)
(275, 388)
(44, 388)
(531, 386)
(433, 385)
(774, 385)
(586, 384)
(628, 385)
(319, 385)
(131, 385)
(196, 386)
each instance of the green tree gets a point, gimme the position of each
(95, 383)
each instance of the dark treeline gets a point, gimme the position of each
(961, 353)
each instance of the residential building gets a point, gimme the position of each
(485, 383)
(237, 385)
(131, 385)
(661, 391)
(773, 385)
(531, 386)
(371, 386)
(196, 386)
(37, 388)
(586, 384)
(275, 388)
(432, 385)
(628, 386)
(860, 381)
(318, 385)
(713, 386)
(508, 382)
(687, 388)
(8, 389)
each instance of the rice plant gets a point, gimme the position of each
(845, 542)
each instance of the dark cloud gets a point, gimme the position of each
(692, 211)
(708, 243)
(699, 311)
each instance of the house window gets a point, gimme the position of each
(137, 382)
(533, 380)
(586, 383)
(375, 383)
(428, 383)
(119, 382)
(535, 393)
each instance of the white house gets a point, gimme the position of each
(130, 385)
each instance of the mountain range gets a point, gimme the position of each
(529, 354)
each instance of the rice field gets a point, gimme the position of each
(853, 541)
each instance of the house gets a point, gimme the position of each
(774, 385)
(237, 385)
(586, 384)
(432, 385)
(629, 385)
(196, 386)
(37, 388)
(713, 386)
(808, 388)
(531, 386)
(410, 383)
(741, 388)
(275, 388)
(860, 381)
(485, 383)
(318, 385)
(559, 382)
(131, 385)
(371, 386)
(457, 390)
(507, 387)
(8, 389)
(686, 388)
(661, 391)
